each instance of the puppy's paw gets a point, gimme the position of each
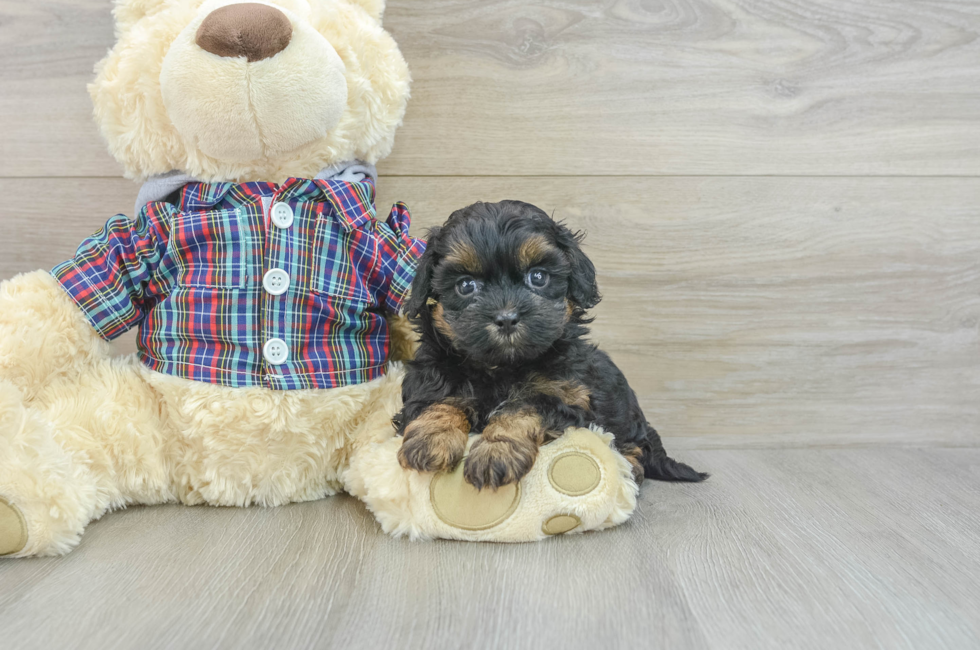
(436, 440)
(493, 464)
(433, 453)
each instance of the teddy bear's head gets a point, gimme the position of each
(238, 91)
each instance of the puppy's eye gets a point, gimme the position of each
(467, 286)
(537, 278)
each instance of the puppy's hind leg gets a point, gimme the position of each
(661, 467)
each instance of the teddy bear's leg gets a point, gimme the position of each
(46, 495)
(89, 443)
(578, 483)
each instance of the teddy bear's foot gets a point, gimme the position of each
(13, 529)
(457, 503)
(46, 498)
(578, 483)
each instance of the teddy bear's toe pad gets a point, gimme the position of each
(460, 505)
(561, 524)
(574, 473)
(13, 529)
(578, 483)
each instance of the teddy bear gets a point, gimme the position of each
(266, 292)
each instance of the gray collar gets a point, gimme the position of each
(157, 188)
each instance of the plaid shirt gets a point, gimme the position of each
(193, 276)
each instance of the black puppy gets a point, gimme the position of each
(500, 298)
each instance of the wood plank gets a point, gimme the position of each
(49, 49)
(834, 87)
(780, 311)
(44, 220)
(826, 548)
(780, 549)
(772, 311)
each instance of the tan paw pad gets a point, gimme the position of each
(13, 528)
(574, 473)
(560, 524)
(460, 505)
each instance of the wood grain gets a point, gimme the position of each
(855, 548)
(831, 87)
(744, 311)
(763, 292)
(775, 311)
(780, 549)
(49, 49)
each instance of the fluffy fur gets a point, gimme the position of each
(501, 296)
(400, 500)
(269, 103)
(82, 433)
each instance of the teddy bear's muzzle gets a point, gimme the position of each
(248, 29)
(250, 81)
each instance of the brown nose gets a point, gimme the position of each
(248, 29)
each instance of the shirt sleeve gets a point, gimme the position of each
(399, 257)
(115, 276)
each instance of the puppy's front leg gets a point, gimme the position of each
(506, 449)
(435, 440)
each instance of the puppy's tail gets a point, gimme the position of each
(661, 467)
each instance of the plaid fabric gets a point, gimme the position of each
(190, 276)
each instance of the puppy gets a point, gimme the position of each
(500, 300)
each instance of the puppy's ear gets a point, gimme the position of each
(583, 290)
(422, 283)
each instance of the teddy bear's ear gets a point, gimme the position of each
(375, 8)
(128, 12)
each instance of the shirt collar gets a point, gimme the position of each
(349, 189)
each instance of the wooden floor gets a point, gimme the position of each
(781, 197)
(783, 203)
(856, 548)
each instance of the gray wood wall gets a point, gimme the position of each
(783, 198)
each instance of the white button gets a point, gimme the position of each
(282, 215)
(276, 282)
(276, 352)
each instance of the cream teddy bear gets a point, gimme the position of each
(258, 279)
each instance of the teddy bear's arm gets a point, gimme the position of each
(121, 271)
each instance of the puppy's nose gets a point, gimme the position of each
(249, 29)
(506, 321)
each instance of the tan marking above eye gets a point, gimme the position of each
(464, 255)
(534, 250)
